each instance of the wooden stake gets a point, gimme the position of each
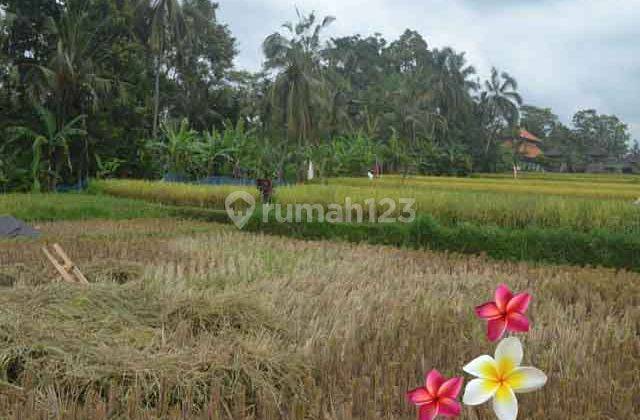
(67, 269)
(69, 265)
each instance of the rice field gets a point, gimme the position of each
(578, 205)
(603, 187)
(195, 320)
(171, 193)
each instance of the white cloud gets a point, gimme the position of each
(566, 54)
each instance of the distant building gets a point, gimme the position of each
(553, 160)
(532, 155)
(530, 146)
(529, 149)
(631, 165)
(601, 162)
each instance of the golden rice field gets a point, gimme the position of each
(567, 177)
(577, 204)
(195, 320)
(602, 187)
(171, 193)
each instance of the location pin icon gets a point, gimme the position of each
(239, 216)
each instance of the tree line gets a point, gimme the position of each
(146, 88)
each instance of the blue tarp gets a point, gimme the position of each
(79, 186)
(10, 227)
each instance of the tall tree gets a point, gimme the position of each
(453, 83)
(603, 132)
(71, 79)
(298, 84)
(539, 121)
(500, 101)
(163, 29)
(200, 90)
(71, 83)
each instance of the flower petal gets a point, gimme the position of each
(505, 403)
(433, 381)
(519, 303)
(488, 310)
(503, 296)
(428, 411)
(449, 407)
(479, 390)
(450, 388)
(517, 322)
(526, 379)
(496, 328)
(419, 396)
(483, 367)
(508, 355)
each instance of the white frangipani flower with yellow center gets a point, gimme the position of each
(501, 377)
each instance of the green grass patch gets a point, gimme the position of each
(557, 246)
(75, 206)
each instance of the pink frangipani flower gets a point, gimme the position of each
(506, 313)
(437, 397)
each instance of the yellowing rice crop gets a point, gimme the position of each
(172, 193)
(504, 203)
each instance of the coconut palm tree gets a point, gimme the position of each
(501, 93)
(296, 58)
(70, 80)
(501, 103)
(451, 80)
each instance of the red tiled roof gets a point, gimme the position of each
(527, 149)
(528, 136)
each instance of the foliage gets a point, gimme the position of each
(178, 149)
(50, 146)
(294, 91)
(95, 58)
(539, 121)
(107, 168)
(132, 67)
(352, 156)
(604, 132)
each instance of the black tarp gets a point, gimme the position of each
(10, 227)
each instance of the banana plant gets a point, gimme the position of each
(177, 149)
(107, 167)
(213, 150)
(50, 146)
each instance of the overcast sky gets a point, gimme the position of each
(565, 54)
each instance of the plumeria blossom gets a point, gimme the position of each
(501, 377)
(506, 313)
(437, 397)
